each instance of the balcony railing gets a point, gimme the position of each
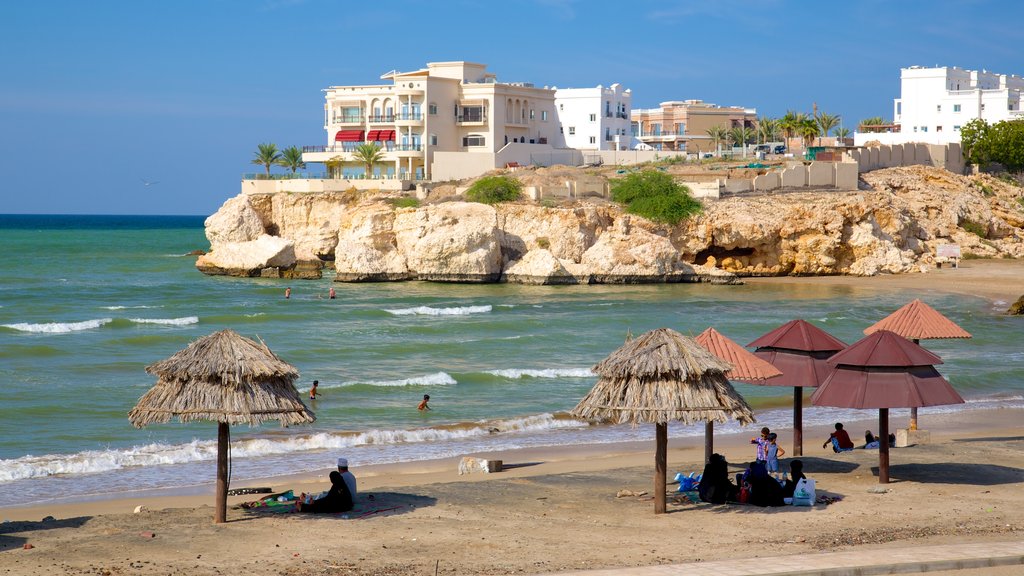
(387, 146)
(622, 115)
(385, 118)
(410, 116)
(347, 119)
(285, 176)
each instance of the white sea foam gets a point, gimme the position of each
(436, 379)
(431, 311)
(95, 461)
(129, 307)
(167, 321)
(515, 373)
(60, 327)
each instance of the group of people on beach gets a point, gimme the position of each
(841, 442)
(340, 498)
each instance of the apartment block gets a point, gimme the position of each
(683, 125)
(935, 103)
(447, 107)
(594, 118)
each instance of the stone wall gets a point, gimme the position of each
(948, 156)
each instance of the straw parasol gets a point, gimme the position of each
(883, 371)
(228, 379)
(745, 367)
(800, 350)
(661, 376)
(918, 321)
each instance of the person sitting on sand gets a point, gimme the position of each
(338, 498)
(423, 404)
(869, 440)
(349, 478)
(796, 473)
(715, 486)
(840, 440)
(764, 490)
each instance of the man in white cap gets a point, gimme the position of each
(347, 476)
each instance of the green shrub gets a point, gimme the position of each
(655, 196)
(986, 189)
(549, 203)
(543, 242)
(1009, 178)
(405, 202)
(1021, 202)
(979, 230)
(494, 189)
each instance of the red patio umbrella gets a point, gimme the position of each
(800, 350)
(745, 367)
(918, 321)
(884, 370)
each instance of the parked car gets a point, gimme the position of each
(780, 149)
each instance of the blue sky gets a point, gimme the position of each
(96, 97)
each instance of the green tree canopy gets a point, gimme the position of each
(291, 158)
(826, 122)
(266, 155)
(656, 196)
(1002, 142)
(370, 155)
(494, 189)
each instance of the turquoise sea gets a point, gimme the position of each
(86, 302)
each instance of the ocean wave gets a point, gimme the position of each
(516, 373)
(128, 307)
(159, 454)
(59, 327)
(431, 311)
(167, 321)
(436, 379)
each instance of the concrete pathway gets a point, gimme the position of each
(864, 561)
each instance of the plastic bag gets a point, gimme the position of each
(803, 494)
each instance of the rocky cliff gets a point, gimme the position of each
(892, 226)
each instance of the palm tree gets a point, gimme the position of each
(768, 129)
(808, 130)
(842, 133)
(370, 155)
(267, 155)
(291, 158)
(717, 134)
(867, 124)
(789, 124)
(741, 135)
(826, 122)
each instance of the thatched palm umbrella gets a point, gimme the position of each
(745, 367)
(226, 378)
(918, 321)
(661, 376)
(800, 349)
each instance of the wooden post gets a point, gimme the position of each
(660, 465)
(798, 421)
(709, 440)
(221, 513)
(883, 446)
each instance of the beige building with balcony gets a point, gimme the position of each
(683, 125)
(439, 122)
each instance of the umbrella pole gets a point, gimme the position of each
(798, 421)
(220, 516)
(660, 464)
(709, 440)
(883, 446)
(913, 411)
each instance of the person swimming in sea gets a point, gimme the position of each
(423, 404)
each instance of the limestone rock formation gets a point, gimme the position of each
(1017, 308)
(890, 227)
(235, 221)
(248, 258)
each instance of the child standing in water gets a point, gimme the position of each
(423, 405)
(772, 454)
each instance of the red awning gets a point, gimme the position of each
(386, 135)
(745, 366)
(349, 136)
(374, 135)
(919, 320)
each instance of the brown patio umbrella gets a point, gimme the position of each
(661, 376)
(228, 379)
(745, 367)
(884, 370)
(800, 350)
(918, 321)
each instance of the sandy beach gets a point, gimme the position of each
(556, 509)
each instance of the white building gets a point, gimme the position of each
(593, 118)
(935, 103)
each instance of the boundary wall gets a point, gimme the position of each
(949, 156)
(299, 185)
